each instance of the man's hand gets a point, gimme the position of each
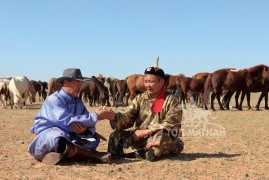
(138, 134)
(78, 128)
(105, 114)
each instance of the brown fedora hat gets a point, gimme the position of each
(70, 73)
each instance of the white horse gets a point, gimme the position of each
(20, 88)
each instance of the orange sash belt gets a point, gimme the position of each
(33, 136)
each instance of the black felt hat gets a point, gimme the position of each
(155, 71)
(71, 73)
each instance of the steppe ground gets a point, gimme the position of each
(218, 145)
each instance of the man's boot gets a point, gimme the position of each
(75, 153)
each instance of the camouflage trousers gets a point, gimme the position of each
(162, 143)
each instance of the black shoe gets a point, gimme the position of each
(179, 147)
(140, 154)
(150, 155)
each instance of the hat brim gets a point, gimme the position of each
(60, 79)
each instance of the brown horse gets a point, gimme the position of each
(134, 84)
(253, 79)
(258, 81)
(53, 86)
(116, 89)
(94, 90)
(227, 79)
(172, 83)
(186, 84)
(199, 96)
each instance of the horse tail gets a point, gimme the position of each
(102, 89)
(179, 91)
(31, 90)
(122, 93)
(207, 88)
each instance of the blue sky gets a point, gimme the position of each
(118, 38)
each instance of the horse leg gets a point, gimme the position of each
(213, 95)
(39, 94)
(257, 107)
(129, 95)
(3, 105)
(199, 100)
(266, 100)
(236, 99)
(240, 108)
(218, 98)
(248, 99)
(90, 100)
(203, 100)
(228, 99)
(194, 98)
(184, 99)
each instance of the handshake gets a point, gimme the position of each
(104, 108)
(105, 113)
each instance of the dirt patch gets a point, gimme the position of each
(222, 144)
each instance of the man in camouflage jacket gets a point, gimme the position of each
(145, 127)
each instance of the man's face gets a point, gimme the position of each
(72, 87)
(153, 84)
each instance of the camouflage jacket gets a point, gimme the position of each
(140, 115)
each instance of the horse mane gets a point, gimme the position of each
(30, 84)
(99, 85)
(256, 71)
(257, 67)
(181, 75)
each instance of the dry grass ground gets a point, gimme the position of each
(222, 145)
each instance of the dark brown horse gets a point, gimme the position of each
(186, 84)
(253, 79)
(227, 79)
(40, 88)
(199, 96)
(117, 87)
(94, 91)
(258, 81)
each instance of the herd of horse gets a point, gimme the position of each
(100, 91)
(224, 82)
(15, 91)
